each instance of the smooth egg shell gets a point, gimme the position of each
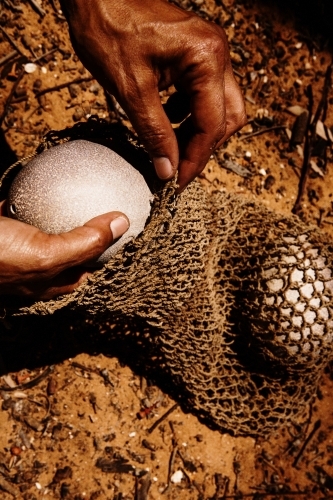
(69, 184)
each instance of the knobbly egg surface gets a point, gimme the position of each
(69, 184)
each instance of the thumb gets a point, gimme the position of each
(86, 242)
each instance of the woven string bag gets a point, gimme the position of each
(236, 300)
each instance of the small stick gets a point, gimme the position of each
(57, 11)
(32, 113)
(37, 7)
(74, 364)
(9, 56)
(262, 131)
(238, 73)
(45, 54)
(163, 417)
(11, 41)
(306, 442)
(311, 134)
(222, 484)
(12, 6)
(31, 383)
(142, 488)
(171, 464)
(269, 464)
(63, 85)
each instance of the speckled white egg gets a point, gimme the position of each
(69, 184)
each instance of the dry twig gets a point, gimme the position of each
(311, 134)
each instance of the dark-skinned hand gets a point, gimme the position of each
(136, 48)
(36, 265)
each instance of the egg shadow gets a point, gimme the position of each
(35, 342)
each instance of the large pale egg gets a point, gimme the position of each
(69, 184)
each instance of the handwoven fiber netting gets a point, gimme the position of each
(236, 299)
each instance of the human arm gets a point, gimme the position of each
(136, 48)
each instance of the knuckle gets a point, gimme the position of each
(96, 239)
(99, 242)
(155, 140)
(214, 44)
(207, 40)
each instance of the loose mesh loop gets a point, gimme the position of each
(236, 300)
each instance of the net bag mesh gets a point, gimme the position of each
(236, 299)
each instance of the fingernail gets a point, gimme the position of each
(118, 227)
(163, 167)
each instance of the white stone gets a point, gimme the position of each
(177, 477)
(30, 67)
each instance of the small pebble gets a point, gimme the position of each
(74, 90)
(30, 67)
(95, 88)
(177, 477)
(269, 182)
(16, 451)
(78, 114)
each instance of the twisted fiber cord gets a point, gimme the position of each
(211, 278)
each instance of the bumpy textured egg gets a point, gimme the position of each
(69, 184)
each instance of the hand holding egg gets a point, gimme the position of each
(40, 265)
(69, 184)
